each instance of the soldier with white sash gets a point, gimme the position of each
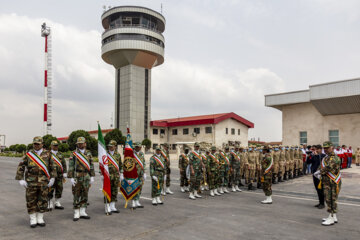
(140, 166)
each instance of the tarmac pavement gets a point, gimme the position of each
(231, 216)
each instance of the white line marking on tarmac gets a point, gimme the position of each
(306, 199)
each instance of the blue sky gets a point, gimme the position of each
(222, 56)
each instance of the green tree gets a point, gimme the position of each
(47, 139)
(147, 143)
(20, 148)
(29, 146)
(91, 143)
(116, 135)
(63, 147)
(13, 147)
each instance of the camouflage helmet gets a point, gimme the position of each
(166, 145)
(213, 148)
(137, 144)
(80, 140)
(54, 143)
(327, 144)
(158, 148)
(112, 143)
(226, 147)
(237, 146)
(38, 140)
(196, 144)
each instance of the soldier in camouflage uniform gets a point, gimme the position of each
(301, 162)
(276, 159)
(115, 168)
(357, 156)
(204, 171)
(157, 172)
(251, 166)
(266, 172)
(61, 170)
(242, 165)
(282, 164)
(331, 182)
(292, 161)
(166, 157)
(213, 166)
(288, 175)
(183, 163)
(37, 180)
(235, 162)
(224, 157)
(81, 173)
(141, 168)
(195, 164)
(258, 166)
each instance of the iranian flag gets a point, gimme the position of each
(103, 164)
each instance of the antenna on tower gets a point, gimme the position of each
(161, 8)
(104, 8)
(109, 7)
(112, 120)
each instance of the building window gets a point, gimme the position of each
(155, 131)
(162, 131)
(334, 137)
(174, 132)
(208, 129)
(226, 131)
(233, 131)
(185, 131)
(303, 138)
(238, 131)
(197, 130)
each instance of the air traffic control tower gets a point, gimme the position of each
(133, 43)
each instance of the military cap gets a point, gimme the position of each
(137, 144)
(327, 144)
(213, 148)
(54, 143)
(186, 148)
(112, 143)
(227, 147)
(158, 148)
(81, 140)
(237, 145)
(196, 144)
(166, 145)
(38, 139)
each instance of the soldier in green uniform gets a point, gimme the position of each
(266, 172)
(81, 173)
(225, 169)
(291, 162)
(115, 168)
(61, 170)
(204, 171)
(213, 167)
(282, 164)
(40, 175)
(141, 168)
(242, 165)
(251, 166)
(183, 163)
(287, 164)
(331, 182)
(166, 157)
(276, 158)
(260, 156)
(235, 165)
(157, 172)
(195, 164)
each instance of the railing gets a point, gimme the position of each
(132, 26)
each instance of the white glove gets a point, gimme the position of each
(121, 177)
(51, 182)
(144, 176)
(155, 178)
(91, 179)
(65, 175)
(23, 183)
(73, 181)
(317, 174)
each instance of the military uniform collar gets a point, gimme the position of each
(39, 152)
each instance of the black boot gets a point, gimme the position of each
(291, 175)
(250, 187)
(240, 184)
(259, 185)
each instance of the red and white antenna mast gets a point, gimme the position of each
(46, 33)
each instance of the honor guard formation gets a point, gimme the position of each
(204, 168)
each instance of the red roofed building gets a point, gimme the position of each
(217, 129)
